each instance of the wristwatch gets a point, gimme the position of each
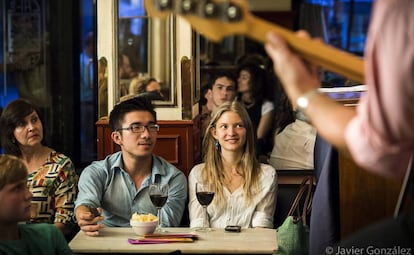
(303, 101)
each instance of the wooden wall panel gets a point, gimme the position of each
(168, 147)
(105, 145)
(364, 197)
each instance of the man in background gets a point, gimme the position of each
(222, 88)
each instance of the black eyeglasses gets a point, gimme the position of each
(138, 128)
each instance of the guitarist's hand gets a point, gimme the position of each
(296, 74)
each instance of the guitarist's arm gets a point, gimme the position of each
(379, 134)
(299, 78)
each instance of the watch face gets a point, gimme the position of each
(303, 101)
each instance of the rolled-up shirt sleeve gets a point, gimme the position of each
(381, 136)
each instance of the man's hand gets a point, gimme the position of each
(296, 74)
(88, 220)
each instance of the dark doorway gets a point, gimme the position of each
(40, 50)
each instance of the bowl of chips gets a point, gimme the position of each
(143, 224)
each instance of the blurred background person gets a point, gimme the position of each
(102, 87)
(87, 109)
(293, 147)
(128, 68)
(294, 139)
(205, 106)
(205, 103)
(252, 83)
(146, 86)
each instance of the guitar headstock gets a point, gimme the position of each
(213, 19)
(216, 19)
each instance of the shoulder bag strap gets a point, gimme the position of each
(307, 206)
(302, 188)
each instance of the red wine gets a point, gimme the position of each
(205, 197)
(158, 200)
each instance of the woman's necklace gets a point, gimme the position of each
(232, 181)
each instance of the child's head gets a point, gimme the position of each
(12, 170)
(15, 197)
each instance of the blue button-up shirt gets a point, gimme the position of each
(107, 185)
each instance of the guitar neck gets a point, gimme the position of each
(313, 51)
(221, 24)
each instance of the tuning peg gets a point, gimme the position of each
(232, 13)
(187, 6)
(224, 11)
(163, 5)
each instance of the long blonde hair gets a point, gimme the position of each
(248, 167)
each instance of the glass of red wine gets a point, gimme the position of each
(205, 194)
(158, 194)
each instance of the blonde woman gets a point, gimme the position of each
(245, 190)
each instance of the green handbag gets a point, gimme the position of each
(293, 234)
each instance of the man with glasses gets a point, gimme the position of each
(118, 185)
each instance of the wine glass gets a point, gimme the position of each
(158, 194)
(205, 194)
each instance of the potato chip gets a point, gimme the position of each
(144, 217)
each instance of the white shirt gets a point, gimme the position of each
(259, 213)
(293, 147)
(267, 106)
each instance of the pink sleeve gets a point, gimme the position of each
(381, 136)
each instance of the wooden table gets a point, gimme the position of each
(115, 240)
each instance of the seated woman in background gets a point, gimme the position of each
(293, 147)
(294, 140)
(52, 177)
(252, 87)
(245, 190)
